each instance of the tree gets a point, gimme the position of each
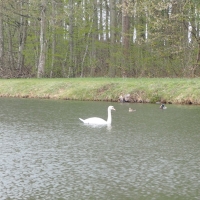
(125, 27)
(1, 35)
(22, 35)
(135, 38)
(191, 16)
(41, 63)
(112, 38)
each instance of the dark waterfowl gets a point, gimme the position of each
(162, 106)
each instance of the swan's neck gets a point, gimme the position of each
(109, 117)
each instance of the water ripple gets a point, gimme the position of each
(72, 161)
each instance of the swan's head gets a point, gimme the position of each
(111, 108)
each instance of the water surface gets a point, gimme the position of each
(47, 153)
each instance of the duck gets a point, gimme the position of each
(162, 106)
(99, 121)
(131, 110)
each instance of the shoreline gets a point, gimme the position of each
(141, 90)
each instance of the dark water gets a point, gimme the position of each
(47, 153)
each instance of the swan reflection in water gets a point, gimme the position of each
(107, 126)
(131, 110)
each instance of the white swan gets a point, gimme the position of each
(97, 120)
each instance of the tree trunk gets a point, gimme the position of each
(10, 47)
(125, 28)
(101, 20)
(53, 37)
(71, 40)
(107, 19)
(1, 36)
(22, 38)
(112, 38)
(125, 37)
(198, 54)
(41, 63)
(197, 65)
(94, 39)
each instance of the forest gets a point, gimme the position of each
(99, 38)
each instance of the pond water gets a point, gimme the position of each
(46, 152)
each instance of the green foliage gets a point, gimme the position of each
(156, 31)
(155, 98)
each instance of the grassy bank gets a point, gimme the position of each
(181, 91)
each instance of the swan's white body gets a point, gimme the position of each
(99, 121)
